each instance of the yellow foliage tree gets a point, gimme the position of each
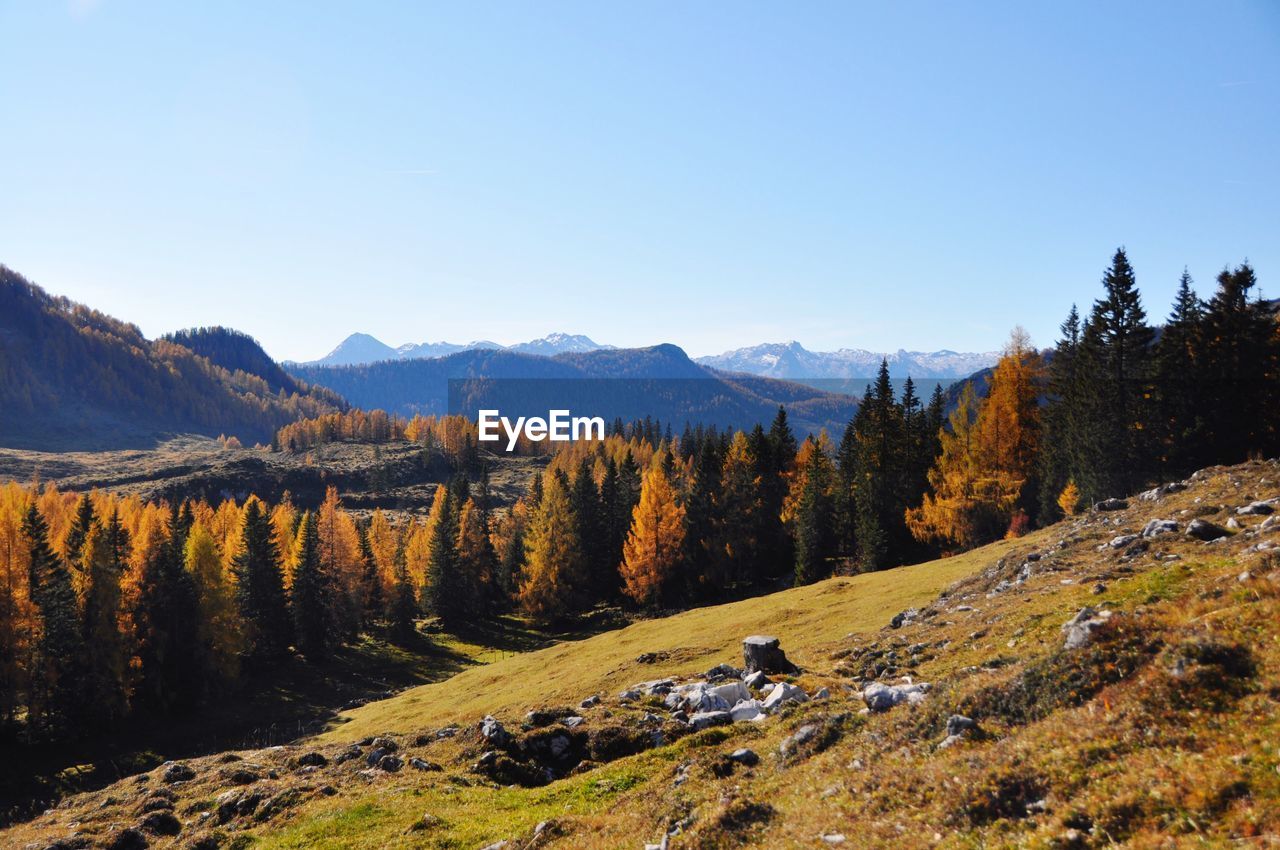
(652, 550)
(553, 559)
(220, 630)
(1069, 499)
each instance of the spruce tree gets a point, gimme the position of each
(1179, 383)
(443, 596)
(57, 689)
(309, 596)
(815, 519)
(260, 583)
(167, 620)
(584, 498)
(105, 556)
(402, 609)
(1116, 353)
(1241, 390)
(370, 578)
(702, 519)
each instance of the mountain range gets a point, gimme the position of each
(361, 348)
(660, 381)
(793, 361)
(787, 360)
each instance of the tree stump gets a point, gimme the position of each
(763, 653)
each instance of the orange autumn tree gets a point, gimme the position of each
(654, 545)
(985, 473)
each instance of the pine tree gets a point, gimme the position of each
(652, 553)
(584, 499)
(741, 513)
(814, 513)
(878, 501)
(1241, 388)
(78, 533)
(105, 552)
(1179, 383)
(167, 616)
(444, 595)
(58, 675)
(703, 555)
(1116, 352)
(370, 578)
(309, 597)
(260, 585)
(613, 517)
(402, 609)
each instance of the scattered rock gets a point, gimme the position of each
(1122, 541)
(594, 699)
(723, 671)
(881, 697)
(764, 653)
(706, 719)
(349, 754)
(745, 756)
(1080, 628)
(1256, 509)
(798, 739)
(747, 710)
(176, 771)
(628, 696)
(494, 733)
(757, 680)
(573, 721)
(903, 618)
(1203, 530)
(1111, 505)
(390, 763)
(423, 765)
(312, 759)
(781, 694)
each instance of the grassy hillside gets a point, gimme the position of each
(1160, 729)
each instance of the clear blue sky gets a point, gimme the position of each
(877, 175)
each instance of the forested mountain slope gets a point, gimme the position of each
(72, 377)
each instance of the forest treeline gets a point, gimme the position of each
(69, 370)
(111, 606)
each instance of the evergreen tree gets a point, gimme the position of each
(105, 553)
(703, 554)
(167, 616)
(475, 558)
(1115, 348)
(444, 595)
(613, 518)
(1061, 455)
(78, 533)
(1241, 388)
(260, 584)
(370, 577)
(1179, 384)
(403, 608)
(815, 516)
(773, 547)
(877, 483)
(219, 631)
(57, 681)
(584, 499)
(309, 596)
(741, 513)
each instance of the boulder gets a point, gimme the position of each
(724, 671)
(958, 724)
(745, 756)
(424, 765)
(1256, 509)
(881, 697)
(494, 733)
(390, 763)
(764, 653)
(1203, 530)
(731, 692)
(1080, 628)
(312, 759)
(782, 694)
(747, 710)
(757, 680)
(594, 699)
(706, 719)
(1159, 526)
(1111, 505)
(1122, 541)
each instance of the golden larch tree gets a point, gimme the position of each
(651, 553)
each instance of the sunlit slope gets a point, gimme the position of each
(807, 620)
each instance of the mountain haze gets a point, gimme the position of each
(361, 348)
(792, 360)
